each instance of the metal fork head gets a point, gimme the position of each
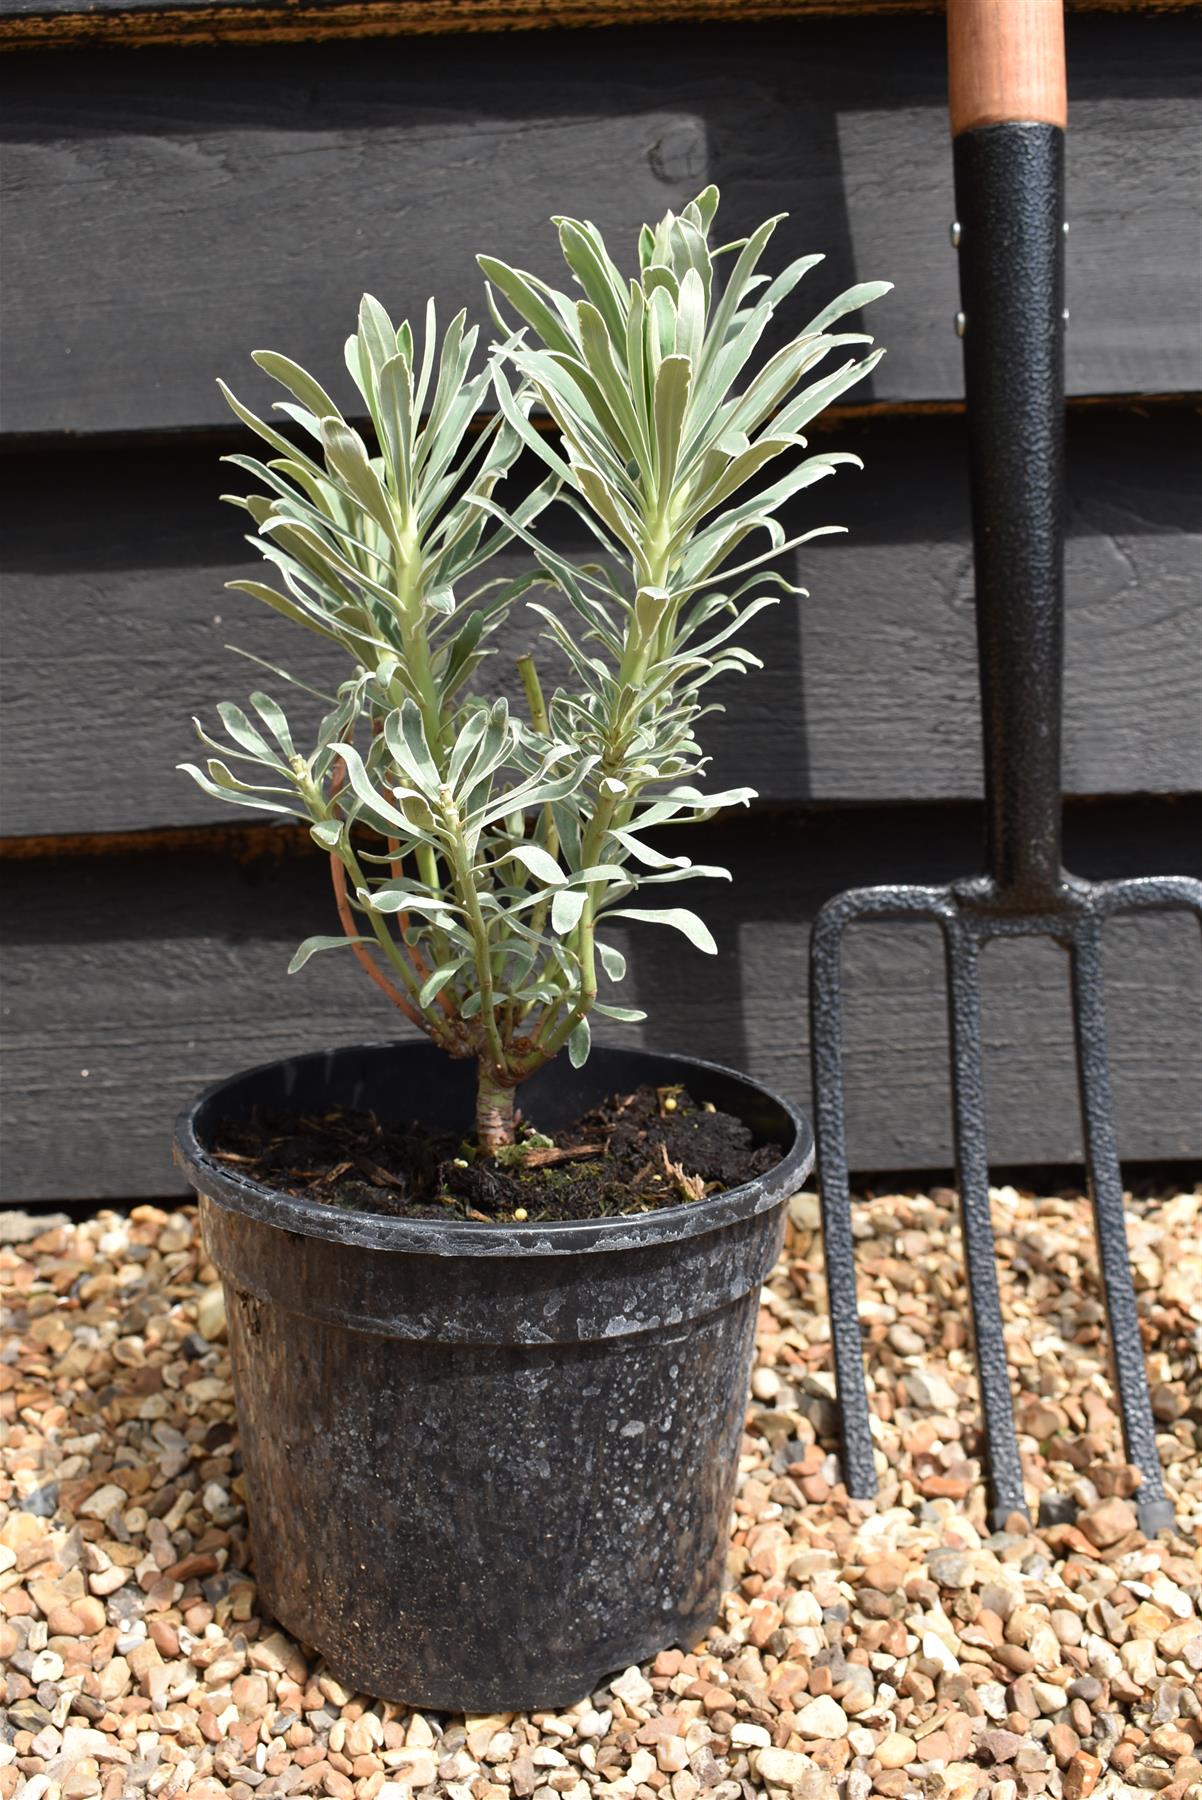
(970, 914)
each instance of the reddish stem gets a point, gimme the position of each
(363, 953)
(347, 919)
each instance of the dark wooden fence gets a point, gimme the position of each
(187, 181)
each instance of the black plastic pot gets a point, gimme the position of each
(488, 1465)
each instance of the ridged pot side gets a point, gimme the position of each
(486, 1471)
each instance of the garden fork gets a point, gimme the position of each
(1008, 113)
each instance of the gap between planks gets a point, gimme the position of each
(257, 842)
(835, 418)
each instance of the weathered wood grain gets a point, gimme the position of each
(116, 626)
(132, 981)
(58, 24)
(167, 212)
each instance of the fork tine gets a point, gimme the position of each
(859, 1471)
(1106, 1194)
(972, 1176)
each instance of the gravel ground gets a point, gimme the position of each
(895, 1649)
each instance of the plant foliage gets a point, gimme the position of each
(480, 856)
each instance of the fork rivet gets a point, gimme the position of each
(954, 233)
(961, 324)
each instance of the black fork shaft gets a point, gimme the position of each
(1010, 202)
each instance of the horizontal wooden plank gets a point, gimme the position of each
(132, 981)
(169, 212)
(116, 626)
(57, 24)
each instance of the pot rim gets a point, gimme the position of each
(232, 1192)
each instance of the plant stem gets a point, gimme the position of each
(534, 692)
(586, 946)
(465, 887)
(541, 723)
(408, 576)
(340, 860)
(396, 956)
(494, 1111)
(417, 650)
(361, 951)
(586, 995)
(397, 867)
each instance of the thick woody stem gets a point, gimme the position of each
(494, 1112)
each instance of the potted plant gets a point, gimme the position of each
(491, 1358)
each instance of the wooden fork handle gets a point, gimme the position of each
(1005, 62)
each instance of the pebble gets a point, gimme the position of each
(103, 1503)
(632, 1686)
(593, 1724)
(950, 1568)
(1066, 1625)
(781, 1768)
(905, 1340)
(935, 1650)
(672, 1753)
(930, 1391)
(1109, 1521)
(107, 1581)
(210, 1312)
(750, 1737)
(1081, 1776)
(802, 1609)
(89, 1615)
(414, 1767)
(896, 1750)
(1138, 1657)
(822, 1718)
(892, 1652)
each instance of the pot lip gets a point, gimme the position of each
(236, 1193)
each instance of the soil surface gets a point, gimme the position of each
(634, 1153)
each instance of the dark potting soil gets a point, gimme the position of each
(634, 1153)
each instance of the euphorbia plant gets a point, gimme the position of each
(479, 854)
